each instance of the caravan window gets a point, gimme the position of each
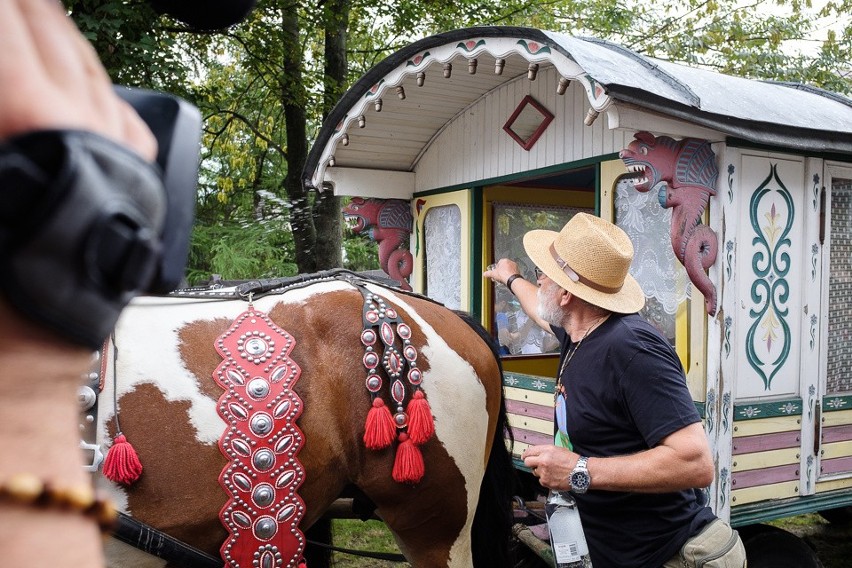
(663, 279)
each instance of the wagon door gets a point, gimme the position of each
(834, 456)
(769, 355)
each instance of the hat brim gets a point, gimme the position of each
(628, 300)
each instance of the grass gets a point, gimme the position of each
(832, 542)
(372, 536)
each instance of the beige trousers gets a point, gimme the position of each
(716, 546)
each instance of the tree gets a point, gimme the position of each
(265, 86)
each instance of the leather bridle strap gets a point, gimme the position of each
(148, 539)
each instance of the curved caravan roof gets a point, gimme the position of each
(387, 121)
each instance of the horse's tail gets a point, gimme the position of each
(492, 523)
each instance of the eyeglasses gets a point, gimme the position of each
(538, 273)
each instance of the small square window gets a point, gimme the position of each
(528, 122)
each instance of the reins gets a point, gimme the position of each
(146, 538)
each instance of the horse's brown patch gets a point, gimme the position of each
(198, 352)
(179, 491)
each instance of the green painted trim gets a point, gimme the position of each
(538, 383)
(757, 410)
(529, 382)
(598, 189)
(770, 510)
(476, 222)
(523, 175)
(834, 403)
(745, 144)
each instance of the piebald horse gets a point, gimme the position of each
(158, 379)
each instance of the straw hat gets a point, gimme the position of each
(590, 258)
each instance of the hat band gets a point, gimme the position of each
(570, 273)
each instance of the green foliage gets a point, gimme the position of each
(245, 78)
(132, 42)
(241, 251)
(360, 253)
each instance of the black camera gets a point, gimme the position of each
(177, 126)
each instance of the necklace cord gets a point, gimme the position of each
(570, 355)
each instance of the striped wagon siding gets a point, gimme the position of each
(765, 459)
(529, 406)
(835, 442)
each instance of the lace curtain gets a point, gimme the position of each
(442, 229)
(655, 267)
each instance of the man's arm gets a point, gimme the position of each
(682, 460)
(525, 291)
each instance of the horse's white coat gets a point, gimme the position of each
(451, 384)
(147, 352)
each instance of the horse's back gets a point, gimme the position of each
(167, 401)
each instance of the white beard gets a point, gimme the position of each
(548, 308)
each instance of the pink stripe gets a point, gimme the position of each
(530, 437)
(528, 409)
(837, 433)
(836, 465)
(764, 442)
(765, 476)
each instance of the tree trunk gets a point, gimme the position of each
(327, 208)
(293, 99)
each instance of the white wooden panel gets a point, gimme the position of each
(771, 264)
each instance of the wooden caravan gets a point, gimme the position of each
(489, 132)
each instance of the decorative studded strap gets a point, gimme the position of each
(261, 442)
(388, 347)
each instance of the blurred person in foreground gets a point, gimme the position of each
(629, 442)
(50, 79)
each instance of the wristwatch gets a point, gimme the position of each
(580, 478)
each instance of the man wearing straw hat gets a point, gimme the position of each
(629, 442)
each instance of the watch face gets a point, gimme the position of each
(580, 481)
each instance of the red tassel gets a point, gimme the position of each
(420, 423)
(379, 428)
(121, 464)
(408, 466)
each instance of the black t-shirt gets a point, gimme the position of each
(626, 391)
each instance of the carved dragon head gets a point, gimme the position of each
(357, 214)
(650, 159)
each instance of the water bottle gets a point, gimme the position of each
(566, 532)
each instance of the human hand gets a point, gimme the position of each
(502, 270)
(551, 465)
(51, 78)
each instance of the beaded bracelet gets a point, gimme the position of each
(27, 489)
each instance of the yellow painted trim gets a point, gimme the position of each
(528, 423)
(766, 426)
(839, 418)
(610, 172)
(764, 492)
(690, 320)
(836, 450)
(834, 484)
(770, 458)
(463, 200)
(519, 448)
(696, 371)
(541, 365)
(534, 397)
